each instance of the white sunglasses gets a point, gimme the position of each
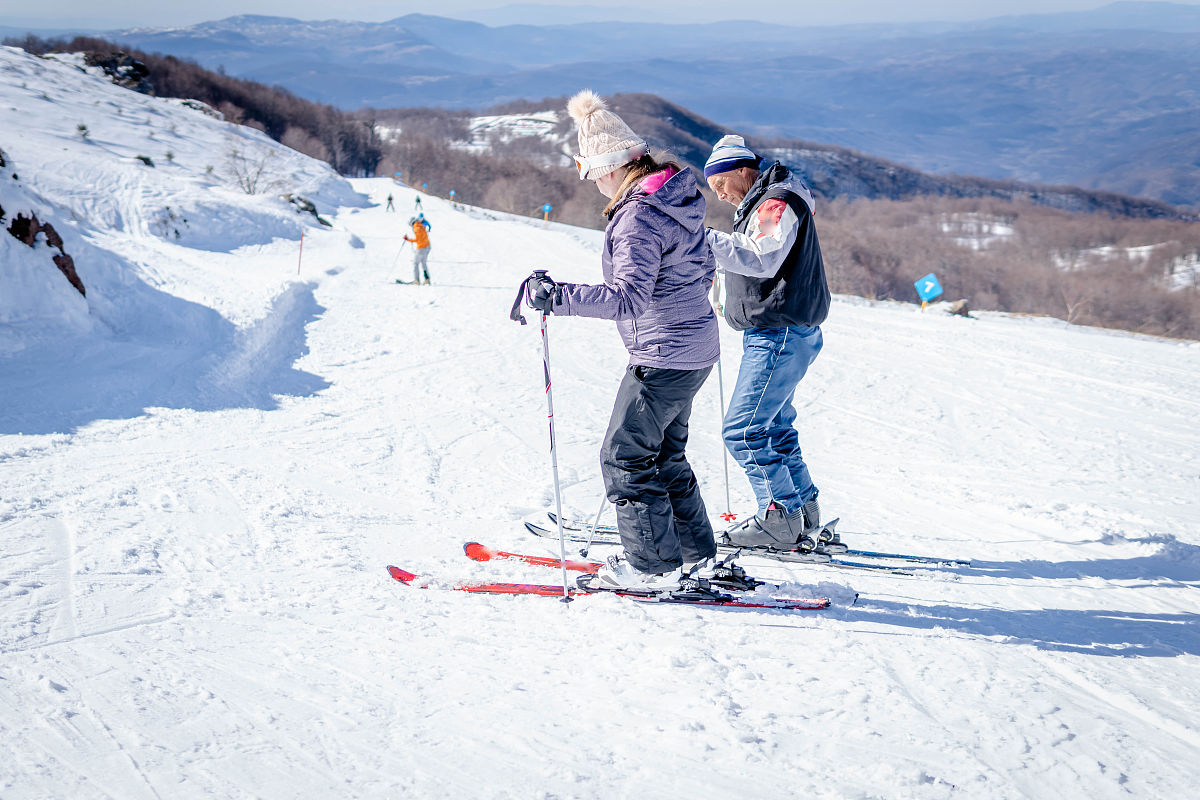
(586, 165)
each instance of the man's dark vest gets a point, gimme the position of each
(798, 293)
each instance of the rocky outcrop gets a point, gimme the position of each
(26, 229)
(305, 206)
(124, 70)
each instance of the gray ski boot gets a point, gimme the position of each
(775, 530)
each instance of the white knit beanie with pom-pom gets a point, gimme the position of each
(601, 131)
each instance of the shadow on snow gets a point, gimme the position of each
(1173, 561)
(182, 355)
(1094, 632)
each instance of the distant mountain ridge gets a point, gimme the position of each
(540, 133)
(1102, 99)
(249, 41)
(839, 172)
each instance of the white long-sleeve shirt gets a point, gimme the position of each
(760, 251)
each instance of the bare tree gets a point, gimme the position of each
(251, 168)
(302, 141)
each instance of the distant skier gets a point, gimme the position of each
(421, 248)
(657, 273)
(418, 204)
(390, 205)
(775, 291)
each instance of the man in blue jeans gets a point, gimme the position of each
(775, 291)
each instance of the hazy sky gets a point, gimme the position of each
(130, 13)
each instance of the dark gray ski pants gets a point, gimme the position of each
(660, 514)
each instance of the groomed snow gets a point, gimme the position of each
(205, 468)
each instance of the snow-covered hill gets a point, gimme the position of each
(107, 166)
(206, 463)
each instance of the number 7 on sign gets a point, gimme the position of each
(928, 288)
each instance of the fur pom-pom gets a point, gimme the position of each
(584, 104)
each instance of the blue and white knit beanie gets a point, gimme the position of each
(729, 154)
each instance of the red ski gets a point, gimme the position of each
(479, 552)
(407, 578)
(550, 590)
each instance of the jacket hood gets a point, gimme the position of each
(679, 198)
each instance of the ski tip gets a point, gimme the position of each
(401, 575)
(815, 604)
(477, 552)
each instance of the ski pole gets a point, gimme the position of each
(719, 307)
(595, 525)
(516, 315)
(392, 270)
(728, 516)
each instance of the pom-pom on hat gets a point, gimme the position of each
(606, 143)
(729, 154)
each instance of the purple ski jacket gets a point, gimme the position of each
(658, 270)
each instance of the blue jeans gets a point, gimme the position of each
(759, 428)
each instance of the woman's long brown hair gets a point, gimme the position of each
(637, 170)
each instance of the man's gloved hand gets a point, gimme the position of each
(543, 293)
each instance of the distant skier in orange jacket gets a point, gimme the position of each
(420, 240)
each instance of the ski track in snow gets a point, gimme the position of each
(195, 526)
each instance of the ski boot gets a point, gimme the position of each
(777, 531)
(618, 575)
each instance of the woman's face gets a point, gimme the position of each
(608, 184)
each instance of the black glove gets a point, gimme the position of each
(543, 293)
(537, 291)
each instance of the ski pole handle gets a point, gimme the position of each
(515, 315)
(523, 294)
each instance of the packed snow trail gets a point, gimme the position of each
(200, 593)
(192, 573)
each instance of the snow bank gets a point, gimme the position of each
(83, 163)
(34, 295)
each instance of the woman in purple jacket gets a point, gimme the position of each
(658, 270)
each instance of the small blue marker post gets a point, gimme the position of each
(546, 209)
(927, 289)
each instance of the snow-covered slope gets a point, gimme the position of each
(77, 149)
(195, 530)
